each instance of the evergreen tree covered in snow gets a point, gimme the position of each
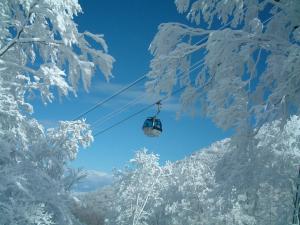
(41, 52)
(250, 51)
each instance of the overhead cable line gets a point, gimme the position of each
(137, 100)
(112, 114)
(111, 97)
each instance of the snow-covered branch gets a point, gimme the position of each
(7, 64)
(251, 59)
(11, 43)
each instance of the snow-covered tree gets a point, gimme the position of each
(137, 189)
(41, 53)
(250, 51)
(217, 185)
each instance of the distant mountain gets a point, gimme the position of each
(93, 181)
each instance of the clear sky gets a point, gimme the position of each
(128, 27)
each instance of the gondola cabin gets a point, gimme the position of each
(152, 127)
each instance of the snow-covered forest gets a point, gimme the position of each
(237, 63)
(222, 184)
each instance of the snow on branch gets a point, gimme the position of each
(46, 30)
(253, 60)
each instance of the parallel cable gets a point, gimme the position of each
(111, 97)
(111, 115)
(138, 99)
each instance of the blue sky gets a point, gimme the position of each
(128, 27)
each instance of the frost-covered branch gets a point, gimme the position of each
(40, 40)
(21, 67)
(4, 49)
(147, 197)
(252, 59)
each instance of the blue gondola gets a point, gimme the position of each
(152, 126)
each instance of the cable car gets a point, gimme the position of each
(152, 126)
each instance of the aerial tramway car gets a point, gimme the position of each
(152, 126)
